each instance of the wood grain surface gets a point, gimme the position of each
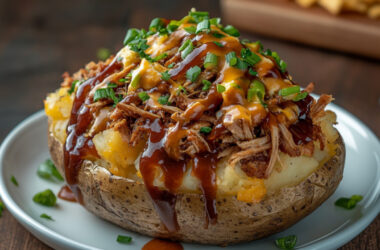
(349, 32)
(39, 40)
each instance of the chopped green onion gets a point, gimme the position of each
(218, 44)
(242, 65)
(289, 91)
(205, 130)
(283, 66)
(173, 25)
(256, 90)
(231, 58)
(261, 47)
(171, 65)
(163, 100)
(124, 239)
(215, 21)
(206, 85)
(220, 88)
(165, 76)
(112, 85)
(129, 74)
(287, 242)
(143, 96)
(187, 50)
(300, 96)
(14, 181)
(231, 30)
(103, 54)
(184, 45)
(130, 36)
(235, 85)
(217, 34)
(45, 216)
(106, 93)
(181, 89)
(277, 58)
(46, 198)
(193, 73)
(2, 207)
(156, 24)
(348, 203)
(203, 26)
(210, 61)
(160, 57)
(252, 72)
(47, 170)
(72, 88)
(191, 29)
(198, 15)
(122, 80)
(249, 57)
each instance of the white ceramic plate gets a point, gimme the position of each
(328, 227)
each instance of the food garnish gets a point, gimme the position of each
(2, 207)
(46, 198)
(47, 170)
(348, 203)
(45, 216)
(124, 239)
(14, 181)
(288, 242)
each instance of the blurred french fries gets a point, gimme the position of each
(368, 7)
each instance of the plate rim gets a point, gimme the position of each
(54, 239)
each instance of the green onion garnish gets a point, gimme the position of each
(181, 89)
(163, 100)
(106, 93)
(231, 30)
(191, 29)
(218, 44)
(220, 88)
(122, 80)
(143, 96)
(112, 85)
(287, 242)
(156, 24)
(2, 207)
(173, 25)
(231, 58)
(211, 60)
(256, 91)
(217, 34)
(171, 65)
(47, 170)
(184, 45)
(103, 54)
(45, 216)
(46, 198)
(206, 85)
(124, 239)
(187, 50)
(14, 181)
(205, 130)
(277, 58)
(72, 88)
(300, 96)
(198, 15)
(215, 21)
(242, 65)
(203, 26)
(165, 76)
(289, 91)
(130, 36)
(249, 57)
(348, 203)
(160, 57)
(193, 73)
(252, 72)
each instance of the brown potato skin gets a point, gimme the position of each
(127, 204)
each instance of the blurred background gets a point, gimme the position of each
(41, 39)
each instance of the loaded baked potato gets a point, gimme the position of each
(191, 134)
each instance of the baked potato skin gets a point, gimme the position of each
(127, 204)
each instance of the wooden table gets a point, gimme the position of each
(39, 40)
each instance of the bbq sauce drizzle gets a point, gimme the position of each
(79, 147)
